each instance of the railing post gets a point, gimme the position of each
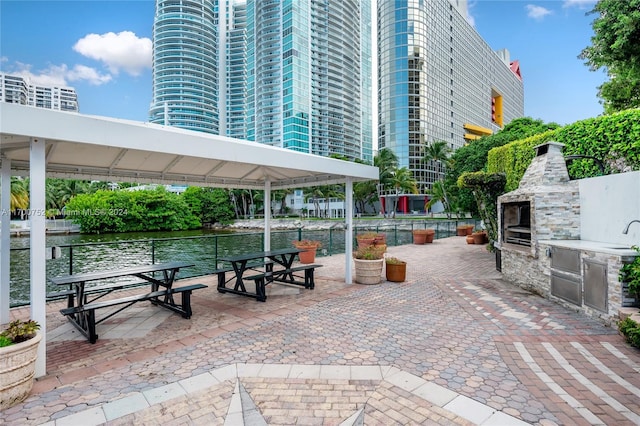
(331, 241)
(299, 234)
(71, 260)
(153, 252)
(215, 251)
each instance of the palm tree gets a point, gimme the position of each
(364, 193)
(387, 162)
(19, 193)
(438, 152)
(403, 182)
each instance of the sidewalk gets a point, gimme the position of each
(454, 344)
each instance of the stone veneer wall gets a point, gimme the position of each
(526, 269)
(533, 273)
(556, 213)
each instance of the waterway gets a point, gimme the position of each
(86, 253)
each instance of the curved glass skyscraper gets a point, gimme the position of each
(438, 80)
(185, 65)
(289, 73)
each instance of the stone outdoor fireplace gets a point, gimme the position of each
(546, 205)
(563, 239)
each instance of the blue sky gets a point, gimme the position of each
(103, 50)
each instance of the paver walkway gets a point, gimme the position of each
(454, 344)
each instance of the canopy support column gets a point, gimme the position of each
(38, 267)
(5, 239)
(348, 233)
(267, 215)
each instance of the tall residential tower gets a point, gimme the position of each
(291, 73)
(438, 80)
(185, 65)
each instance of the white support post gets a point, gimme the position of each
(267, 215)
(5, 238)
(348, 233)
(38, 267)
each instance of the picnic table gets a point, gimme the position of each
(264, 262)
(83, 300)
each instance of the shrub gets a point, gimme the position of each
(631, 331)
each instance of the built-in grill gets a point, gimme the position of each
(530, 213)
(516, 220)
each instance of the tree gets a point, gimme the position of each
(615, 48)
(438, 152)
(402, 182)
(386, 161)
(473, 157)
(19, 193)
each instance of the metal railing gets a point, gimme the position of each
(202, 250)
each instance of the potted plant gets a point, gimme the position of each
(368, 238)
(18, 352)
(369, 261)
(422, 236)
(309, 247)
(396, 269)
(630, 274)
(479, 237)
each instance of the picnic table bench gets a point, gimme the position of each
(82, 301)
(273, 259)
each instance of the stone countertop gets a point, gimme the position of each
(621, 250)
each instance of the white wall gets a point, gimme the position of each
(607, 205)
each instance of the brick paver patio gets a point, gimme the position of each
(454, 344)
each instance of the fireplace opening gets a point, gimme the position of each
(516, 223)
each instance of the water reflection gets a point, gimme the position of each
(86, 253)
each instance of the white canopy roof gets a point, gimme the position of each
(99, 148)
(39, 142)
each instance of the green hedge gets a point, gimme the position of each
(613, 139)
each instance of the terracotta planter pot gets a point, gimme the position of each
(17, 368)
(470, 239)
(419, 237)
(469, 229)
(431, 233)
(369, 271)
(380, 239)
(478, 237)
(364, 242)
(396, 272)
(307, 256)
(461, 230)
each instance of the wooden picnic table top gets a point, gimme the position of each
(260, 254)
(114, 273)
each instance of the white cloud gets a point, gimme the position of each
(537, 12)
(582, 4)
(123, 51)
(470, 18)
(60, 75)
(88, 74)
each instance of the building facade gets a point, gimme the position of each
(185, 65)
(438, 80)
(294, 72)
(20, 90)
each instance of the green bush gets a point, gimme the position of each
(614, 139)
(130, 211)
(631, 331)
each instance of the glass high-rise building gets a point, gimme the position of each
(185, 65)
(438, 80)
(295, 73)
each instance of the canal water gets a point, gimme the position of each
(87, 253)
